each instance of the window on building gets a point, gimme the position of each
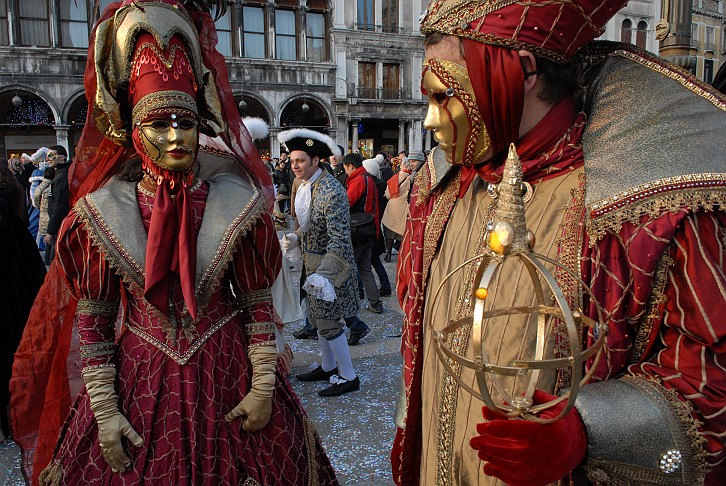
(367, 80)
(708, 71)
(694, 33)
(224, 34)
(4, 37)
(103, 4)
(73, 23)
(710, 39)
(315, 35)
(641, 36)
(252, 31)
(366, 15)
(285, 38)
(391, 81)
(389, 16)
(626, 31)
(34, 25)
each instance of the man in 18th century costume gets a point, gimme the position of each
(623, 188)
(183, 248)
(323, 238)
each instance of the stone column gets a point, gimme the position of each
(61, 134)
(13, 23)
(401, 135)
(274, 143)
(675, 34)
(55, 36)
(427, 145)
(354, 135)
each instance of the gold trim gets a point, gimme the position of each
(458, 344)
(694, 85)
(311, 450)
(254, 297)
(162, 99)
(657, 298)
(569, 255)
(672, 193)
(98, 308)
(172, 353)
(271, 343)
(260, 328)
(96, 350)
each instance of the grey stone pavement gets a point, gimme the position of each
(356, 429)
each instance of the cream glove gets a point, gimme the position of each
(112, 425)
(256, 407)
(290, 244)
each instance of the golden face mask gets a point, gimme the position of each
(453, 114)
(170, 140)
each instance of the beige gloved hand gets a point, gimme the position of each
(256, 407)
(290, 244)
(112, 425)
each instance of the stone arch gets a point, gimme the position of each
(71, 107)
(10, 91)
(292, 113)
(257, 106)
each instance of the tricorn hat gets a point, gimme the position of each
(309, 141)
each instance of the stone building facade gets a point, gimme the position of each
(350, 68)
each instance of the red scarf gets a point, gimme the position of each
(394, 184)
(172, 227)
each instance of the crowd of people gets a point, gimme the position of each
(145, 344)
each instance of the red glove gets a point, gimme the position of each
(526, 453)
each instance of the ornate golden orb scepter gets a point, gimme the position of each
(509, 238)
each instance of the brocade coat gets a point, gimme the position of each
(327, 249)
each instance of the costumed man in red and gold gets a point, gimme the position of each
(623, 158)
(188, 390)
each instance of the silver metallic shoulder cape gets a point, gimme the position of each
(234, 204)
(654, 139)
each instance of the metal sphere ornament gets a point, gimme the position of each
(305, 107)
(508, 238)
(17, 101)
(242, 105)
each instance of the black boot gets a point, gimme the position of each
(389, 247)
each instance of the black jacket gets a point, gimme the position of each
(59, 200)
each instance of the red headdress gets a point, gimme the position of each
(492, 32)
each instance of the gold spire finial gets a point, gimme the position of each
(510, 229)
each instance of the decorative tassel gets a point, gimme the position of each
(51, 475)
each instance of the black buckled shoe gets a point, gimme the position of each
(340, 387)
(356, 336)
(318, 374)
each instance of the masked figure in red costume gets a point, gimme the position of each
(623, 158)
(186, 390)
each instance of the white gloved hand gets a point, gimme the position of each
(319, 287)
(289, 241)
(290, 244)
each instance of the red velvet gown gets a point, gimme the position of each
(177, 381)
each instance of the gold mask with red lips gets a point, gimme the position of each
(453, 114)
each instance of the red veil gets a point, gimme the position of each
(46, 370)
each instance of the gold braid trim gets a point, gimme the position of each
(99, 308)
(459, 342)
(705, 191)
(569, 254)
(96, 350)
(260, 328)
(657, 297)
(254, 297)
(310, 440)
(271, 343)
(683, 410)
(162, 99)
